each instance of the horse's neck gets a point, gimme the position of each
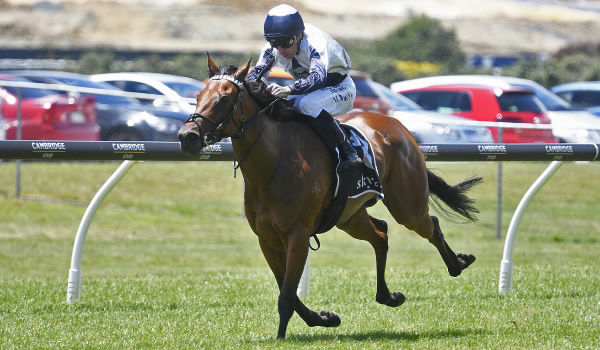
(257, 149)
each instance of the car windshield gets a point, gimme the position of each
(548, 99)
(185, 89)
(281, 81)
(100, 98)
(400, 103)
(441, 101)
(363, 89)
(28, 92)
(519, 102)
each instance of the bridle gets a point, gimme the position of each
(217, 133)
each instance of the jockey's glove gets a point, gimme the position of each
(278, 90)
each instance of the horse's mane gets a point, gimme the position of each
(282, 109)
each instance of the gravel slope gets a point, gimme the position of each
(490, 26)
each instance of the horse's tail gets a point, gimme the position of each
(454, 196)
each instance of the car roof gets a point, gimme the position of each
(505, 83)
(497, 90)
(577, 85)
(6, 76)
(143, 76)
(40, 72)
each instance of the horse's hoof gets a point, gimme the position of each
(392, 299)
(464, 261)
(330, 319)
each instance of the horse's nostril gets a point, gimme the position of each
(187, 136)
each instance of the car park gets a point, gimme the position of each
(582, 94)
(426, 126)
(120, 118)
(568, 124)
(170, 92)
(484, 103)
(45, 114)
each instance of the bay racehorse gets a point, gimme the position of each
(288, 185)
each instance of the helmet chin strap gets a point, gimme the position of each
(299, 37)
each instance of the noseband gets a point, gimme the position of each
(218, 131)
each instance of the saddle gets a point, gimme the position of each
(353, 182)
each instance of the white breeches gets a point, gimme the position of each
(336, 100)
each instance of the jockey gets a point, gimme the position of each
(320, 65)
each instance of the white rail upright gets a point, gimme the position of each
(74, 285)
(506, 265)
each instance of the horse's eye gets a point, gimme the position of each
(222, 101)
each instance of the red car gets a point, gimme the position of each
(46, 115)
(485, 103)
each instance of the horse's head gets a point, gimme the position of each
(218, 111)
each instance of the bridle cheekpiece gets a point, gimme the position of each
(216, 135)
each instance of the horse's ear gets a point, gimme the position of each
(212, 67)
(241, 73)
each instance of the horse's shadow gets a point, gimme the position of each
(385, 335)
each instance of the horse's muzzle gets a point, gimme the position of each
(190, 142)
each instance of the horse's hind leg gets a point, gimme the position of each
(429, 227)
(364, 227)
(456, 263)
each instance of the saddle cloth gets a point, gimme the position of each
(353, 183)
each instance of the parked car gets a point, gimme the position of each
(120, 118)
(367, 98)
(46, 115)
(179, 92)
(484, 103)
(583, 94)
(432, 127)
(568, 124)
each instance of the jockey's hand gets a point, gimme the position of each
(278, 90)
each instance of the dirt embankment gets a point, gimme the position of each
(492, 26)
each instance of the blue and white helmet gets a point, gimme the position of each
(283, 21)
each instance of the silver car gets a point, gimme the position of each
(171, 92)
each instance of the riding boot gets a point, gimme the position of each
(347, 151)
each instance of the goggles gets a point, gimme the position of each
(283, 42)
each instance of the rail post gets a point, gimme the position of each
(74, 284)
(506, 265)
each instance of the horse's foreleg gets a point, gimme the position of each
(288, 300)
(297, 251)
(364, 227)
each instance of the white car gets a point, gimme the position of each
(179, 92)
(432, 127)
(568, 124)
